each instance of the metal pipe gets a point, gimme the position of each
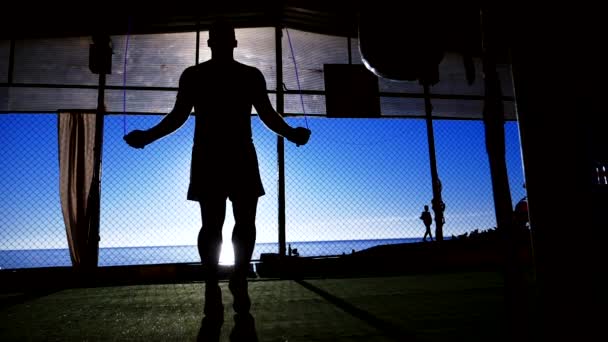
(280, 143)
(437, 202)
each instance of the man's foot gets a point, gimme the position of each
(238, 287)
(214, 308)
(244, 329)
(210, 329)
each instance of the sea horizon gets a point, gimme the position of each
(147, 255)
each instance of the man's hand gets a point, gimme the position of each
(137, 139)
(299, 136)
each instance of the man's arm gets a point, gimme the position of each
(170, 123)
(273, 120)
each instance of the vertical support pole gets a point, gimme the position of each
(96, 187)
(280, 141)
(437, 202)
(101, 64)
(516, 303)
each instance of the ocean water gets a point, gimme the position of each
(31, 258)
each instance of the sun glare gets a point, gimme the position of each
(227, 253)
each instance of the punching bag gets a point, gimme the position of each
(401, 44)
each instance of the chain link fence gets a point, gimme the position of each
(374, 189)
(145, 216)
(357, 184)
(32, 232)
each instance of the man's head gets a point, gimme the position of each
(426, 208)
(221, 36)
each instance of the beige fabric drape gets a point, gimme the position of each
(76, 168)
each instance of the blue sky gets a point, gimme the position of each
(356, 179)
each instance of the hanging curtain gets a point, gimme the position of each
(79, 198)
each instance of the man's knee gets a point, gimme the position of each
(243, 230)
(210, 233)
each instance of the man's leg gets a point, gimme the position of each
(243, 240)
(213, 212)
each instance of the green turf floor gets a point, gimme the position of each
(432, 307)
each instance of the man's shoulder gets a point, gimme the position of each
(190, 71)
(209, 66)
(198, 67)
(249, 68)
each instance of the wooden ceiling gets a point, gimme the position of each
(459, 24)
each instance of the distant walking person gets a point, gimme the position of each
(427, 220)
(224, 163)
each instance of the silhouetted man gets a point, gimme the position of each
(427, 220)
(224, 161)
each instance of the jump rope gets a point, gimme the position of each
(295, 66)
(124, 79)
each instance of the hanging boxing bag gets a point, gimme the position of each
(401, 44)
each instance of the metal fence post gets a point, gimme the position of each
(280, 141)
